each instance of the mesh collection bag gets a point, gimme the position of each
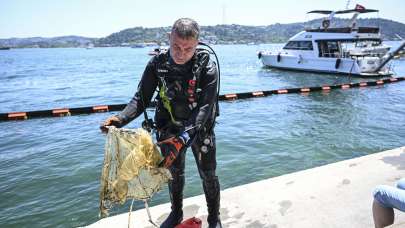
(130, 168)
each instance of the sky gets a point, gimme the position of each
(100, 18)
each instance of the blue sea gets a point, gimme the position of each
(50, 167)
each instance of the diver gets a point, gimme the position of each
(186, 108)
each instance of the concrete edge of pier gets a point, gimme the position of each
(333, 195)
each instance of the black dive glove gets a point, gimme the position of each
(171, 148)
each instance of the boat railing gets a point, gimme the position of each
(330, 55)
(367, 30)
(331, 30)
(345, 30)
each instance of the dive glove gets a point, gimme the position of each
(171, 147)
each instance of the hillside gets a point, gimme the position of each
(41, 42)
(221, 34)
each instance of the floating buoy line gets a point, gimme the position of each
(60, 112)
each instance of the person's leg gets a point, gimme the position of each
(204, 151)
(385, 199)
(176, 186)
(383, 216)
(389, 196)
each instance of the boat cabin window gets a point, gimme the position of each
(299, 45)
(329, 49)
(367, 43)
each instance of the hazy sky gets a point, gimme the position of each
(99, 18)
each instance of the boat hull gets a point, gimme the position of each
(345, 66)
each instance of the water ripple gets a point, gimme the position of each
(50, 168)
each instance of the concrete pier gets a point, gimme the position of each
(334, 195)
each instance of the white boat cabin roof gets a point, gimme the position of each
(349, 33)
(354, 35)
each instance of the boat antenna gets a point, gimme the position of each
(347, 4)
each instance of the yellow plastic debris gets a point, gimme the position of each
(130, 168)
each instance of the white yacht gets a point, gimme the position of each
(348, 50)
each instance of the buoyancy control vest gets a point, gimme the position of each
(178, 87)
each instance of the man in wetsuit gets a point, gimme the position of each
(186, 108)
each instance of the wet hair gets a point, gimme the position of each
(186, 28)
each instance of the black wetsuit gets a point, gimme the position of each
(201, 118)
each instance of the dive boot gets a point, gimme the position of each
(176, 198)
(173, 219)
(212, 196)
(216, 224)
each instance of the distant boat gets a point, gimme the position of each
(140, 45)
(4, 48)
(90, 46)
(156, 51)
